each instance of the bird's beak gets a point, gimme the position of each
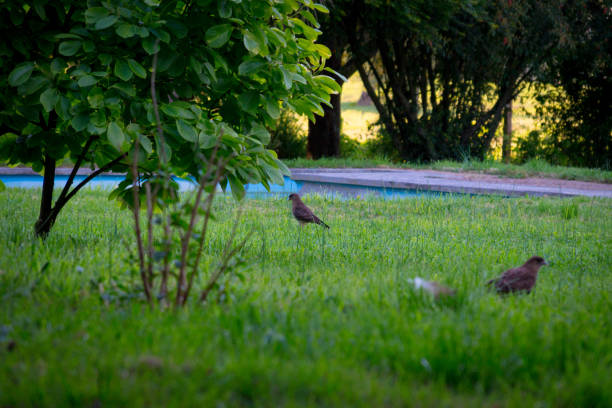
(546, 262)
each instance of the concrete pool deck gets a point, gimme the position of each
(451, 182)
(417, 180)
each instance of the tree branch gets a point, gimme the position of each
(102, 169)
(76, 167)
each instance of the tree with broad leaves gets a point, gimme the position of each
(76, 84)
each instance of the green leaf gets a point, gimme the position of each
(339, 75)
(122, 70)
(57, 66)
(32, 85)
(275, 175)
(40, 10)
(150, 45)
(251, 42)
(105, 59)
(2, 186)
(145, 143)
(206, 140)
(87, 80)
(178, 110)
(298, 78)
(309, 32)
(319, 7)
(125, 88)
(95, 98)
(93, 14)
(49, 98)
(219, 61)
(71, 36)
(62, 108)
(106, 22)
(218, 35)
(328, 82)
(261, 133)
(195, 65)
(281, 166)
(125, 30)
(161, 34)
(20, 74)
(225, 9)
(115, 135)
(250, 65)
(249, 101)
(323, 51)
(137, 68)
(186, 131)
(98, 119)
(287, 78)
(309, 17)
(89, 46)
(69, 48)
(272, 109)
(79, 123)
(236, 187)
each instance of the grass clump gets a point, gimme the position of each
(323, 318)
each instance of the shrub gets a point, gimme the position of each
(288, 139)
(530, 147)
(351, 148)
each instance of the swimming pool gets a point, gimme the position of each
(110, 181)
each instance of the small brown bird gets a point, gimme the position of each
(521, 279)
(434, 288)
(302, 213)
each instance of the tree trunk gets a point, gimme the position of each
(507, 141)
(324, 133)
(45, 216)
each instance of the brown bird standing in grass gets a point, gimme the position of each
(521, 279)
(302, 213)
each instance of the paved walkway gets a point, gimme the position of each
(471, 183)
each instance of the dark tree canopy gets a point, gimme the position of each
(445, 69)
(576, 93)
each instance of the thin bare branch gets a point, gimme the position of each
(136, 212)
(150, 205)
(223, 266)
(207, 212)
(194, 212)
(163, 289)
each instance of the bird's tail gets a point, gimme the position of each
(318, 221)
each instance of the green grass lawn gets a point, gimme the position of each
(323, 318)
